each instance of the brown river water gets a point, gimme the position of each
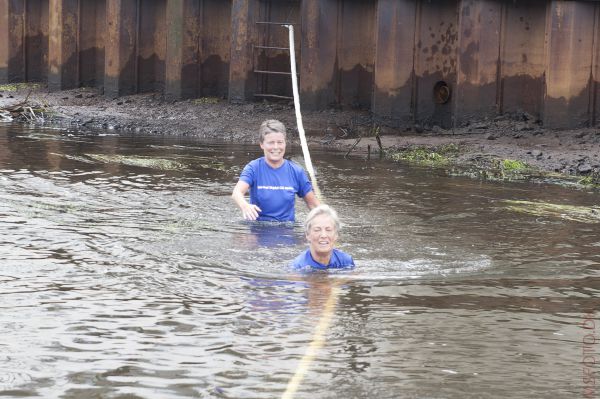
(127, 272)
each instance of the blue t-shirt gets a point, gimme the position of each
(274, 190)
(273, 234)
(339, 260)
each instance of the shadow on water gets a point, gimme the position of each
(126, 270)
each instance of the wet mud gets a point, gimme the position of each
(569, 155)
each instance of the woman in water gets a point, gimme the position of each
(322, 228)
(273, 181)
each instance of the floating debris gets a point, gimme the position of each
(23, 111)
(73, 157)
(5, 116)
(140, 161)
(583, 214)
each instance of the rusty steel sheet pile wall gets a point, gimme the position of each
(151, 46)
(92, 35)
(23, 40)
(11, 42)
(338, 53)
(570, 56)
(36, 40)
(355, 53)
(394, 61)
(478, 59)
(428, 62)
(198, 40)
(435, 60)
(63, 71)
(522, 53)
(120, 47)
(524, 56)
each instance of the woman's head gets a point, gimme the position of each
(322, 228)
(272, 141)
(270, 126)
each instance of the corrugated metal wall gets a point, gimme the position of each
(433, 62)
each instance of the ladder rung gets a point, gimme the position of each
(275, 73)
(276, 23)
(274, 96)
(272, 48)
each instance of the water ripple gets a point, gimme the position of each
(126, 271)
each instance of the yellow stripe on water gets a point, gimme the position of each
(316, 344)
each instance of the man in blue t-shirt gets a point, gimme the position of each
(272, 180)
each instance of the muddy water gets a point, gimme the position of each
(125, 271)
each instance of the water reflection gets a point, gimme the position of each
(269, 235)
(127, 271)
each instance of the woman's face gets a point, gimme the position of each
(273, 146)
(322, 235)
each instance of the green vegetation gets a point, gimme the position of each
(18, 86)
(583, 214)
(511, 165)
(483, 166)
(592, 180)
(511, 169)
(425, 156)
(492, 168)
(486, 167)
(374, 131)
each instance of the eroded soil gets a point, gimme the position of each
(516, 137)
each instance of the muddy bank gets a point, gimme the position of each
(481, 149)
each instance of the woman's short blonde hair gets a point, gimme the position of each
(270, 126)
(322, 210)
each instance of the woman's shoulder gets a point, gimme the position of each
(302, 259)
(343, 258)
(295, 167)
(255, 163)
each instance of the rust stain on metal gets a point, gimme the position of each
(385, 55)
(4, 35)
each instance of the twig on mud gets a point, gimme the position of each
(343, 131)
(27, 96)
(347, 131)
(353, 146)
(29, 114)
(22, 110)
(378, 138)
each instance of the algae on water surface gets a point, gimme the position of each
(583, 214)
(144, 162)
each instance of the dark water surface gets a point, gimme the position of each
(126, 272)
